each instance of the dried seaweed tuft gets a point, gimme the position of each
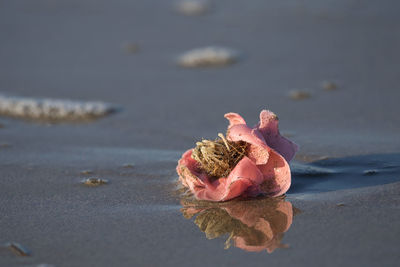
(219, 157)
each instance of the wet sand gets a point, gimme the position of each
(346, 178)
(136, 219)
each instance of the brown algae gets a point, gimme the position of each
(219, 157)
(94, 181)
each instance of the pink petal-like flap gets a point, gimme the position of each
(258, 150)
(234, 119)
(243, 176)
(277, 176)
(268, 127)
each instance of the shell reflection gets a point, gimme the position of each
(252, 225)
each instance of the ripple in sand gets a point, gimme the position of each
(94, 182)
(299, 94)
(300, 169)
(18, 249)
(192, 7)
(370, 172)
(52, 109)
(211, 56)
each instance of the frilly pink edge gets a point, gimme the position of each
(265, 170)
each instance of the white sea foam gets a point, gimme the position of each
(208, 57)
(52, 109)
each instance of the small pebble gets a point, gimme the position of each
(299, 94)
(94, 181)
(370, 172)
(128, 166)
(4, 145)
(18, 249)
(130, 48)
(86, 172)
(329, 86)
(193, 7)
(211, 56)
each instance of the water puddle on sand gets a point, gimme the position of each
(345, 173)
(257, 225)
(252, 225)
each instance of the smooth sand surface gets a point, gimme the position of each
(346, 202)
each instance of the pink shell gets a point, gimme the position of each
(265, 170)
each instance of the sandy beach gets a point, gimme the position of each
(343, 206)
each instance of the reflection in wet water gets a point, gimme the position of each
(252, 225)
